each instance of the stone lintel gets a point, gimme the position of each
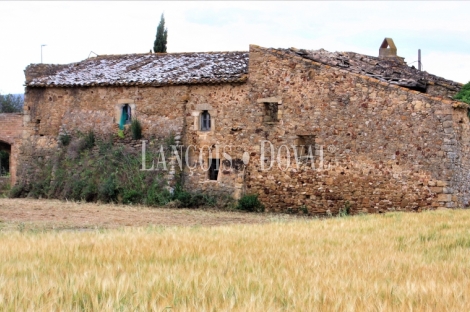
(126, 101)
(273, 99)
(203, 107)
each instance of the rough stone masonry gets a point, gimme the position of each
(11, 127)
(383, 136)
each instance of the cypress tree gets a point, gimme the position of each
(159, 46)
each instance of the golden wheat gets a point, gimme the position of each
(392, 262)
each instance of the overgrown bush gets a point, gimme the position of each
(89, 140)
(464, 94)
(65, 139)
(250, 203)
(345, 211)
(110, 173)
(136, 129)
(192, 199)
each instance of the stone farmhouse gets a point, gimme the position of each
(304, 129)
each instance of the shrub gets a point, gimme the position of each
(346, 210)
(65, 139)
(136, 129)
(250, 203)
(183, 197)
(464, 94)
(18, 190)
(131, 196)
(107, 190)
(109, 173)
(120, 134)
(170, 141)
(77, 185)
(187, 199)
(89, 140)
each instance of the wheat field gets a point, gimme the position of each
(391, 262)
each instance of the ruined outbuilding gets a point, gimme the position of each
(11, 127)
(384, 136)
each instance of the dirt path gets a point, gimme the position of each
(54, 214)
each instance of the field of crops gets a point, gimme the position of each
(391, 262)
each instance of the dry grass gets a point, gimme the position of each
(392, 262)
(34, 214)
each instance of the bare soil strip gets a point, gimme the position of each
(55, 214)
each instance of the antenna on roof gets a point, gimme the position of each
(419, 59)
(93, 53)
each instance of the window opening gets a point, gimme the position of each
(214, 169)
(126, 116)
(5, 150)
(271, 112)
(205, 121)
(304, 144)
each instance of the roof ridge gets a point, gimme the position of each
(171, 53)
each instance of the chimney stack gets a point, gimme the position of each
(389, 50)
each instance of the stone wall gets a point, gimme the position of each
(227, 107)
(384, 147)
(50, 110)
(11, 128)
(162, 111)
(377, 147)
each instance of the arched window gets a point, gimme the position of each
(126, 116)
(205, 121)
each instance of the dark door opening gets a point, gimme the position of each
(214, 169)
(126, 116)
(5, 151)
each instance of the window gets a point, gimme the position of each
(205, 121)
(271, 112)
(126, 116)
(214, 169)
(305, 146)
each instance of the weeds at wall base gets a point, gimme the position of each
(90, 169)
(250, 203)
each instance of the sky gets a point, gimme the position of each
(73, 31)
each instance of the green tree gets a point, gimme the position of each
(11, 103)
(159, 45)
(464, 94)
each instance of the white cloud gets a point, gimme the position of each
(455, 65)
(72, 29)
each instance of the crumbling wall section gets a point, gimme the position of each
(11, 128)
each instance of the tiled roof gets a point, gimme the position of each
(389, 69)
(142, 69)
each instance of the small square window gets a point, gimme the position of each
(305, 146)
(271, 112)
